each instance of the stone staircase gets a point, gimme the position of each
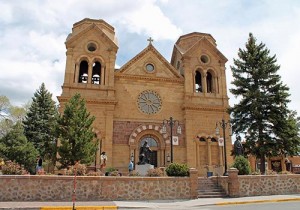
(209, 189)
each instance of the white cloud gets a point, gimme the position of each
(32, 35)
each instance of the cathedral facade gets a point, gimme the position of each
(149, 98)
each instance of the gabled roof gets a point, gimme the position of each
(157, 57)
(99, 26)
(187, 43)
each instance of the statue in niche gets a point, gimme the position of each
(144, 156)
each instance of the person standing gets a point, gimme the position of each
(130, 167)
(39, 164)
(103, 160)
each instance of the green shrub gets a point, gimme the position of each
(242, 164)
(110, 169)
(155, 172)
(177, 169)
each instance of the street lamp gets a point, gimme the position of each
(223, 125)
(171, 122)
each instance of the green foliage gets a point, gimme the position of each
(242, 164)
(9, 115)
(76, 135)
(15, 147)
(12, 168)
(41, 122)
(177, 169)
(110, 169)
(155, 172)
(262, 111)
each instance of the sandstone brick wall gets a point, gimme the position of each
(269, 185)
(60, 188)
(258, 185)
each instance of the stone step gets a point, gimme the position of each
(209, 189)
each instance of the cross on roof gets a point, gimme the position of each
(150, 40)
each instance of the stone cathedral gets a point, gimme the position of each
(148, 96)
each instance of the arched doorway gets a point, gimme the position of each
(152, 142)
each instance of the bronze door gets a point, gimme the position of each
(153, 158)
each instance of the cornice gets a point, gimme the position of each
(160, 79)
(203, 108)
(90, 101)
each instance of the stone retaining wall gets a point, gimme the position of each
(269, 185)
(89, 188)
(258, 185)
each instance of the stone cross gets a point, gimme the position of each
(150, 40)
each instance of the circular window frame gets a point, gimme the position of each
(148, 65)
(91, 45)
(204, 59)
(149, 102)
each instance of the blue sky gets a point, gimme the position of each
(32, 35)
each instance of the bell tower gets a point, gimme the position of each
(90, 68)
(90, 63)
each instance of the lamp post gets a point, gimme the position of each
(223, 125)
(171, 122)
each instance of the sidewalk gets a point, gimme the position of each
(156, 204)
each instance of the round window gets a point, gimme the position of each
(204, 58)
(149, 102)
(91, 47)
(149, 67)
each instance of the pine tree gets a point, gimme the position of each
(15, 147)
(76, 135)
(40, 124)
(262, 112)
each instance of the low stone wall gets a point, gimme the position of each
(269, 185)
(89, 188)
(258, 185)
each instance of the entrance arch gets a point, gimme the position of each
(152, 142)
(160, 141)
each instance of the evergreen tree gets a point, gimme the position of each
(76, 135)
(262, 112)
(15, 147)
(40, 124)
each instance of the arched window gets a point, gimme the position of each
(151, 141)
(198, 82)
(214, 140)
(202, 139)
(209, 82)
(96, 74)
(83, 72)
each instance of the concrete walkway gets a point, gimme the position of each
(178, 204)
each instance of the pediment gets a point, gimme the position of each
(92, 32)
(203, 43)
(137, 66)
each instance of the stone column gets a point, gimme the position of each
(233, 183)
(193, 183)
(90, 70)
(102, 75)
